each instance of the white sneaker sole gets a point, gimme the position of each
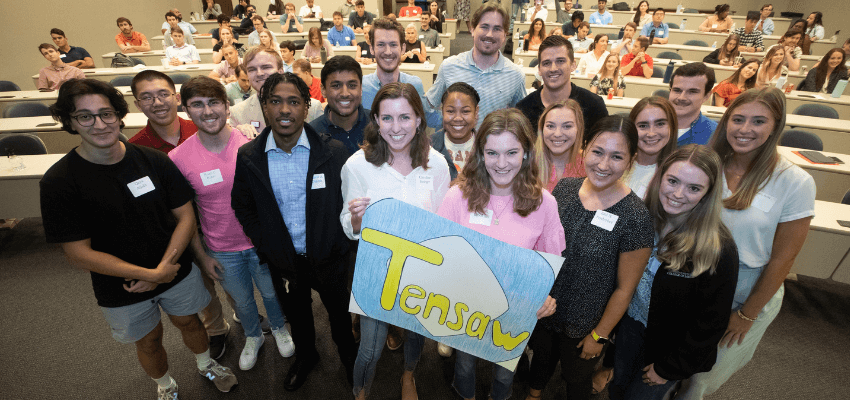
(256, 356)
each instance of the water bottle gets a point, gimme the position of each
(519, 63)
(620, 34)
(714, 45)
(682, 26)
(680, 8)
(733, 26)
(519, 48)
(522, 14)
(669, 72)
(324, 54)
(651, 36)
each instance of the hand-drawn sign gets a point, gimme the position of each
(447, 282)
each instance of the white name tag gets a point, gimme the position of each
(255, 124)
(347, 39)
(364, 52)
(141, 186)
(424, 182)
(211, 177)
(62, 55)
(422, 36)
(764, 201)
(479, 219)
(714, 26)
(605, 220)
(318, 181)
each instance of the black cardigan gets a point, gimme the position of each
(810, 83)
(688, 317)
(254, 203)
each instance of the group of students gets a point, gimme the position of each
(670, 248)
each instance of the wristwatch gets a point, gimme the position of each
(597, 338)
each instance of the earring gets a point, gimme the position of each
(525, 156)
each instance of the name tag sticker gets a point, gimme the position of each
(318, 181)
(364, 52)
(605, 220)
(347, 39)
(255, 124)
(422, 36)
(141, 186)
(479, 219)
(62, 55)
(425, 182)
(211, 177)
(714, 26)
(764, 201)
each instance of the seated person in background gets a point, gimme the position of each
(846, 48)
(436, 15)
(726, 54)
(624, 45)
(55, 74)
(609, 77)
(364, 49)
(346, 8)
(638, 63)
(187, 27)
(74, 56)
(128, 40)
(225, 71)
(226, 35)
(267, 41)
(259, 25)
(789, 44)
(315, 42)
(805, 43)
(223, 22)
(720, 21)
(304, 70)
(248, 24)
(751, 40)
(171, 20)
(339, 34)
(591, 62)
(211, 10)
(429, 37)
(532, 39)
(772, 68)
(662, 30)
(181, 53)
(536, 11)
(826, 75)
(601, 16)
(241, 9)
(814, 30)
(287, 53)
(410, 10)
(360, 19)
(566, 13)
(310, 10)
(555, 32)
(765, 24)
(742, 80)
(289, 22)
(581, 43)
(416, 52)
(276, 8)
(569, 28)
(392, 17)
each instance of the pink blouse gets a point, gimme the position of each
(310, 51)
(572, 170)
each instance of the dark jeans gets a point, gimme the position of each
(551, 347)
(296, 304)
(629, 364)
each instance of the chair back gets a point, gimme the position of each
(846, 199)
(9, 86)
(534, 62)
(26, 109)
(801, 139)
(180, 79)
(670, 55)
(816, 110)
(696, 43)
(657, 72)
(21, 144)
(121, 81)
(662, 93)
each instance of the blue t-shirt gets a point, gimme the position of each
(601, 19)
(337, 38)
(662, 31)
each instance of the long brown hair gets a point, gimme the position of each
(823, 67)
(474, 180)
(315, 31)
(672, 121)
(749, 83)
(724, 51)
(544, 156)
(376, 149)
(701, 236)
(762, 166)
(615, 74)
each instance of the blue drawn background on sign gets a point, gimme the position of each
(525, 276)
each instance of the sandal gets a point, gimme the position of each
(601, 378)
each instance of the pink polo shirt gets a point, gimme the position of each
(211, 176)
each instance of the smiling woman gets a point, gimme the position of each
(656, 123)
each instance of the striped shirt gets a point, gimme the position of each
(752, 39)
(502, 85)
(288, 176)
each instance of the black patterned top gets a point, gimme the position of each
(589, 275)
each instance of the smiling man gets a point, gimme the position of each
(226, 69)
(73, 56)
(287, 194)
(344, 118)
(690, 87)
(499, 82)
(556, 64)
(54, 75)
(157, 98)
(172, 22)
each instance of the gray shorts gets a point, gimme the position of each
(132, 322)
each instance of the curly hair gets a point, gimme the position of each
(70, 90)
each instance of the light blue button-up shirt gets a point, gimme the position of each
(288, 175)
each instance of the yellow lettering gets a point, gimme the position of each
(505, 339)
(401, 249)
(477, 330)
(441, 303)
(460, 308)
(408, 292)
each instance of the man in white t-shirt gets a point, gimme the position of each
(310, 10)
(181, 53)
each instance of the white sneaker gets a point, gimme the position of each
(249, 353)
(284, 342)
(444, 350)
(169, 393)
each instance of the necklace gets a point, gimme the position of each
(501, 211)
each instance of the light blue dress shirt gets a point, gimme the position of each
(288, 176)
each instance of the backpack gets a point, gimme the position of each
(120, 60)
(621, 6)
(325, 25)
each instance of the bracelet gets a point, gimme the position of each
(745, 318)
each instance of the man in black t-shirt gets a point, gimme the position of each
(125, 214)
(73, 56)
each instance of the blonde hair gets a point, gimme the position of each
(762, 166)
(701, 236)
(544, 155)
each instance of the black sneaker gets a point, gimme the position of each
(264, 325)
(218, 344)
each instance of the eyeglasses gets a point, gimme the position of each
(148, 100)
(200, 105)
(108, 117)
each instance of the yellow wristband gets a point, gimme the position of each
(596, 336)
